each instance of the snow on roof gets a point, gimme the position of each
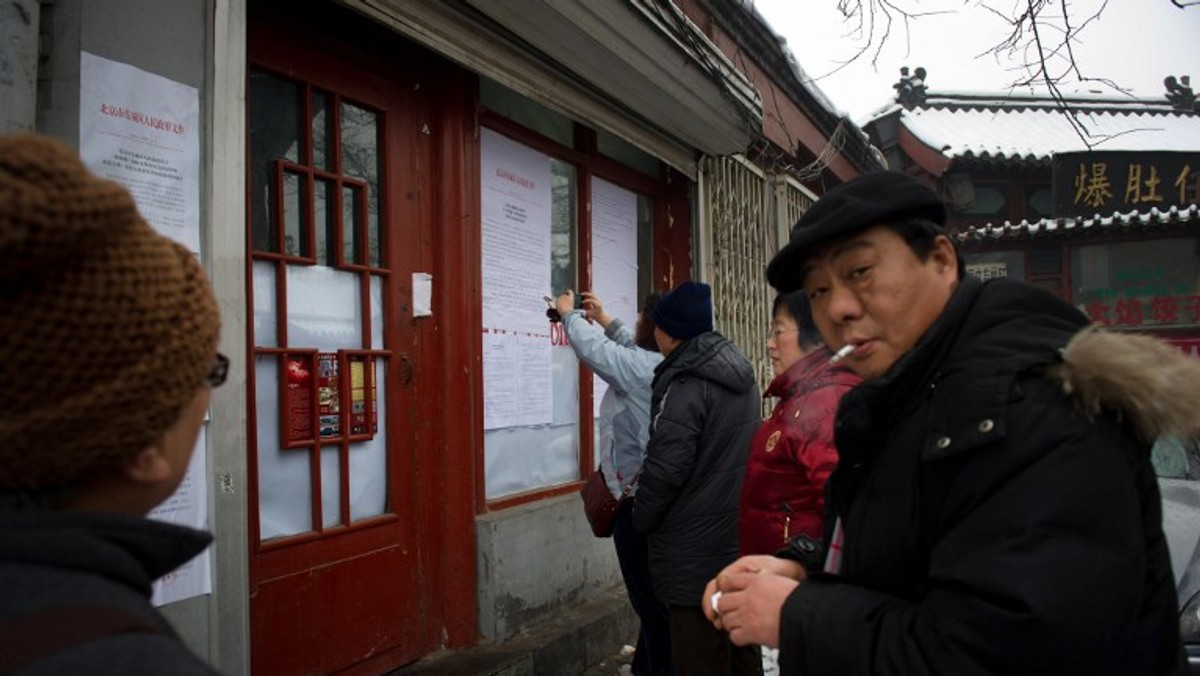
(1076, 225)
(1030, 128)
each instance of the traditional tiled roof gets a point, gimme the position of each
(1089, 225)
(1022, 129)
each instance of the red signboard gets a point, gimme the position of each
(1190, 346)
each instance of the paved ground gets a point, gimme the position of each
(611, 666)
(583, 639)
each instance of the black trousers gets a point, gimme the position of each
(700, 649)
(653, 655)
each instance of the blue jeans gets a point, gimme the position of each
(653, 655)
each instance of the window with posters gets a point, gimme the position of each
(1148, 284)
(535, 232)
(319, 263)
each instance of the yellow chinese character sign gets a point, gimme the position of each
(1104, 183)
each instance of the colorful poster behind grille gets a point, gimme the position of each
(328, 397)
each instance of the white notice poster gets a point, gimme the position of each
(614, 258)
(143, 131)
(515, 205)
(187, 506)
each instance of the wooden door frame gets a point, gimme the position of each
(447, 421)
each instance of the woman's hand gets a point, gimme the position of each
(593, 309)
(565, 302)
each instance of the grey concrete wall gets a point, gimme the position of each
(176, 39)
(19, 22)
(534, 560)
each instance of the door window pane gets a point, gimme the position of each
(322, 157)
(275, 114)
(284, 476)
(351, 220)
(360, 160)
(265, 316)
(331, 486)
(368, 459)
(295, 215)
(323, 212)
(324, 308)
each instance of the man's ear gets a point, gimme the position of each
(149, 465)
(944, 255)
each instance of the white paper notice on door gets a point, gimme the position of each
(422, 294)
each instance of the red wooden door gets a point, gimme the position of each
(334, 530)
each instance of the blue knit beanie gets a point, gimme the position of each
(685, 311)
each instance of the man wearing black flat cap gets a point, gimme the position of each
(704, 409)
(994, 509)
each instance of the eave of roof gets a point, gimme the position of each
(1068, 225)
(1026, 130)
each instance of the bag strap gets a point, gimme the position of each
(31, 637)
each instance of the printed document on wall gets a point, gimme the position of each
(614, 259)
(515, 201)
(187, 506)
(143, 131)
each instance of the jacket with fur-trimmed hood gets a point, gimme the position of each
(704, 409)
(999, 512)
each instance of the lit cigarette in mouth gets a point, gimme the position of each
(842, 353)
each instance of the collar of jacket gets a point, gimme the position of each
(963, 369)
(709, 356)
(132, 550)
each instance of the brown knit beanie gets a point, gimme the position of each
(107, 329)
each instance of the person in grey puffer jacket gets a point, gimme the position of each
(704, 411)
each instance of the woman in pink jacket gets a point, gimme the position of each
(792, 454)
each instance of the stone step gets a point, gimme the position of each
(570, 643)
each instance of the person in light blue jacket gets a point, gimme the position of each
(624, 359)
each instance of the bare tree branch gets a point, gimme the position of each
(1038, 47)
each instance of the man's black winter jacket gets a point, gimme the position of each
(703, 413)
(990, 526)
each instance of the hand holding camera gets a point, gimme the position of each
(565, 302)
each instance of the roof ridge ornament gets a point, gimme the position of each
(910, 90)
(1180, 94)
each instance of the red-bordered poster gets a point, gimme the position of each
(299, 398)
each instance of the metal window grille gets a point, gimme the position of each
(748, 215)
